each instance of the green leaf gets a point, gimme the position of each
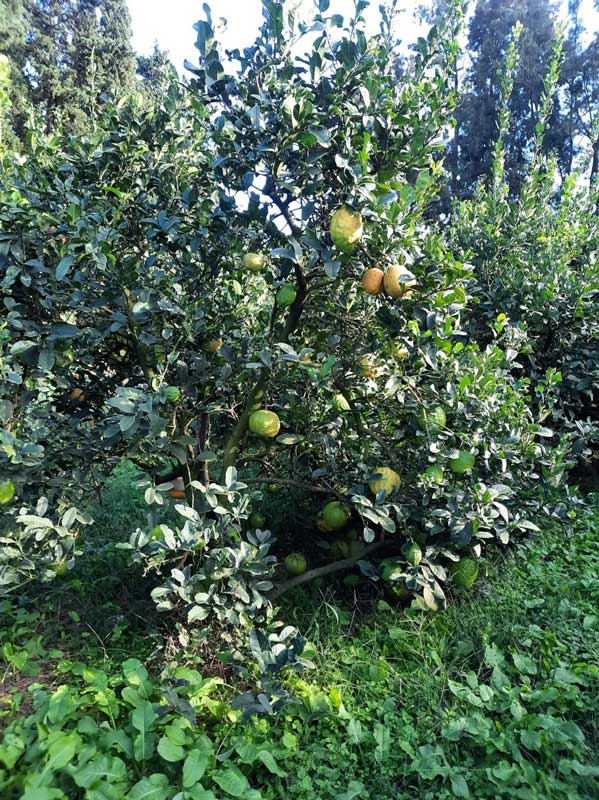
(43, 793)
(354, 789)
(199, 793)
(232, 781)
(63, 267)
(459, 786)
(194, 767)
(62, 750)
(169, 750)
(269, 762)
(21, 346)
(143, 716)
(156, 787)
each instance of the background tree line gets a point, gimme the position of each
(573, 129)
(65, 55)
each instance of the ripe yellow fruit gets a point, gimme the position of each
(265, 423)
(178, 490)
(212, 345)
(367, 367)
(386, 479)
(346, 229)
(372, 280)
(398, 282)
(254, 261)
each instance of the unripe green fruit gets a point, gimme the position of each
(156, 533)
(400, 590)
(7, 492)
(172, 394)
(464, 572)
(296, 563)
(254, 261)
(463, 463)
(390, 569)
(435, 474)
(265, 423)
(340, 403)
(336, 515)
(413, 554)
(257, 520)
(340, 550)
(286, 295)
(432, 419)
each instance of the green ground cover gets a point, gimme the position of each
(495, 697)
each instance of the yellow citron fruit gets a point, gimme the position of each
(399, 352)
(367, 367)
(372, 280)
(212, 345)
(254, 261)
(397, 282)
(386, 479)
(346, 229)
(178, 490)
(265, 423)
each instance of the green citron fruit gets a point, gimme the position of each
(435, 474)
(335, 515)
(172, 394)
(7, 491)
(265, 423)
(386, 478)
(390, 569)
(321, 524)
(464, 572)
(254, 261)
(340, 550)
(156, 533)
(400, 590)
(286, 295)
(432, 419)
(340, 402)
(346, 229)
(257, 520)
(413, 554)
(463, 463)
(296, 563)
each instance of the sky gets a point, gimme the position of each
(169, 22)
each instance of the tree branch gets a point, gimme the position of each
(309, 487)
(320, 572)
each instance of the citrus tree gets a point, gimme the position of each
(237, 289)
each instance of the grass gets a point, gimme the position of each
(496, 697)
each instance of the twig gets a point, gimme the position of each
(319, 572)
